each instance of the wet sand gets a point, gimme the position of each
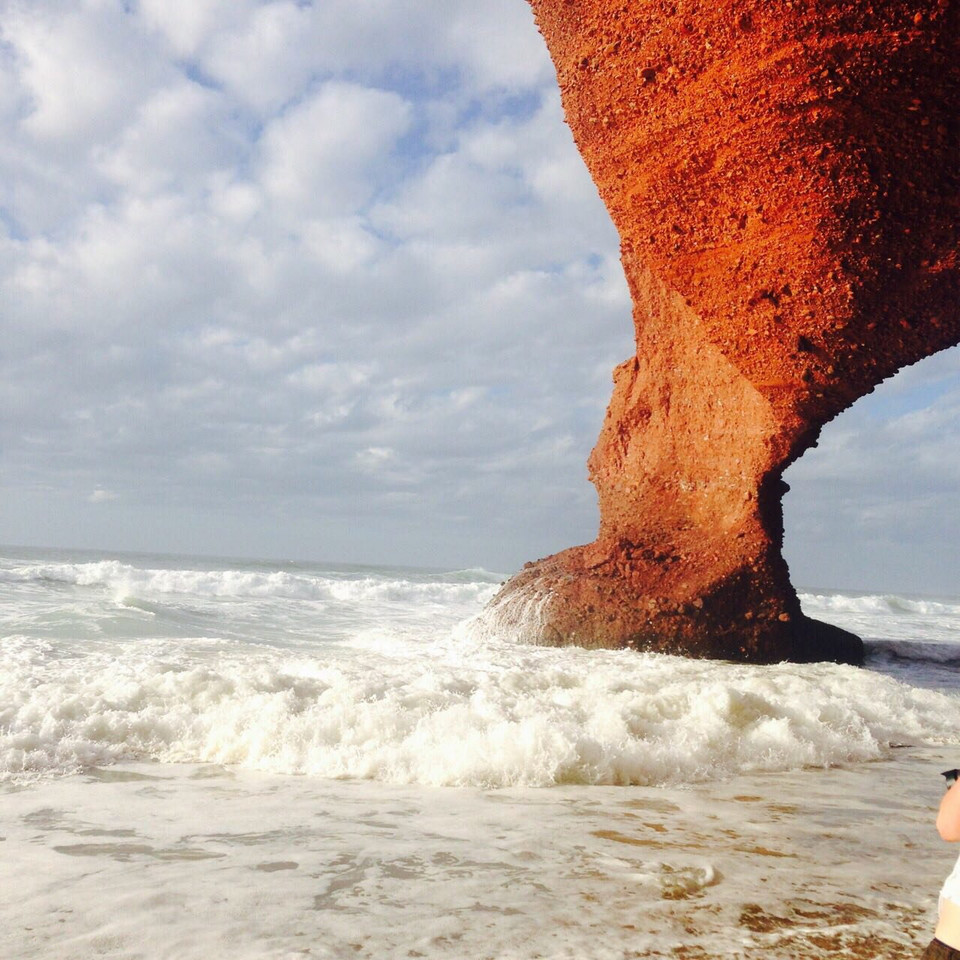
(202, 861)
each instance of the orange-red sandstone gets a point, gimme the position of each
(784, 178)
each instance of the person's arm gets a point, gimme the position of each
(948, 817)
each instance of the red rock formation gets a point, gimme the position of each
(784, 180)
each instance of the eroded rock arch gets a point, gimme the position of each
(784, 179)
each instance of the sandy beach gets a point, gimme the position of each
(200, 861)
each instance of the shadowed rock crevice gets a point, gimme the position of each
(784, 181)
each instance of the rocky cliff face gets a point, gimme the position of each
(784, 178)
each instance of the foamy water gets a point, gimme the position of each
(380, 675)
(301, 676)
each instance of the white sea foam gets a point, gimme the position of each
(366, 674)
(197, 861)
(888, 603)
(519, 616)
(123, 580)
(513, 716)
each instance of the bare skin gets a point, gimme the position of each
(948, 826)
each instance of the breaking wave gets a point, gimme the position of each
(912, 651)
(886, 603)
(399, 676)
(455, 714)
(123, 580)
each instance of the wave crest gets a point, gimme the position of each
(124, 581)
(528, 717)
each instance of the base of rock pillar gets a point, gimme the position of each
(818, 641)
(575, 599)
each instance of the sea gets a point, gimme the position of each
(205, 758)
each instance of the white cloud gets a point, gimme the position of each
(341, 244)
(331, 377)
(188, 24)
(517, 179)
(499, 47)
(326, 154)
(292, 274)
(234, 201)
(276, 48)
(879, 487)
(82, 66)
(265, 60)
(180, 133)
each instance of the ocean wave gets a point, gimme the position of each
(470, 574)
(942, 654)
(884, 604)
(507, 717)
(125, 582)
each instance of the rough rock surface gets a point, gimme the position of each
(784, 178)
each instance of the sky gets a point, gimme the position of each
(330, 281)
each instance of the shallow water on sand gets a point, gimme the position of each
(201, 861)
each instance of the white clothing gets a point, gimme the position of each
(951, 887)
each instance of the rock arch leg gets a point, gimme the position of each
(755, 159)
